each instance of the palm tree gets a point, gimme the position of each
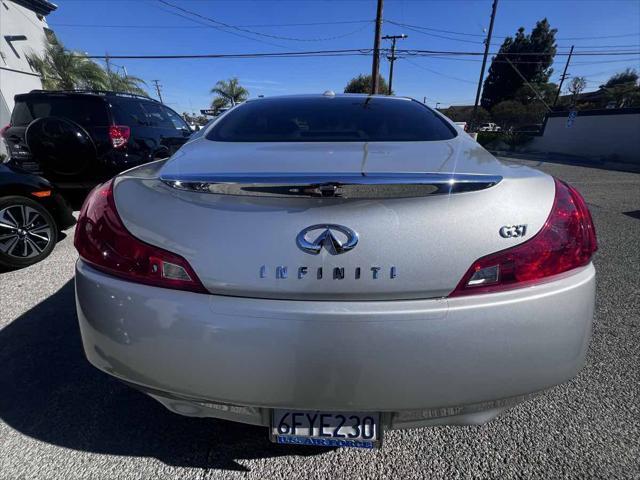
(62, 69)
(124, 83)
(228, 92)
(219, 102)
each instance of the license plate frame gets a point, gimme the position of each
(325, 431)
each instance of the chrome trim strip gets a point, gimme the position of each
(344, 185)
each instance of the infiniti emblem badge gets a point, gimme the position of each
(336, 239)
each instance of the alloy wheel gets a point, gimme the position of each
(24, 232)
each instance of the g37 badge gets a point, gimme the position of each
(513, 231)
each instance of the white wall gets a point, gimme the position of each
(16, 75)
(613, 137)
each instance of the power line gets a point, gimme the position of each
(199, 22)
(520, 54)
(449, 54)
(253, 32)
(266, 25)
(453, 32)
(460, 59)
(436, 72)
(437, 35)
(435, 29)
(315, 53)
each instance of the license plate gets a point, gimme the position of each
(326, 429)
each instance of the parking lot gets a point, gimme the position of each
(61, 418)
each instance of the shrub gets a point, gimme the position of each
(485, 138)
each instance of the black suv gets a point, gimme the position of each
(77, 139)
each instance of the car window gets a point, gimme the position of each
(177, 120)
(129, 112)
(86, 111)
(158, 116)
(336, 119)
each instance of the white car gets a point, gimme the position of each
(489, 127)
(331, 266)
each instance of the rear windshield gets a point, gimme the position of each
(332, 119)
(146, 113)
(86, 111)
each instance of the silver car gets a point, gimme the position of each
(331, 266)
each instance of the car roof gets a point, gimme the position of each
(331, 95)
(85, 93)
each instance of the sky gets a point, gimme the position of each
(150, 27)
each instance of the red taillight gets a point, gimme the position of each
(566, 241)
(103, 241)
(119, 135)
(3, 130)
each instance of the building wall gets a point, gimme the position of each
(16, 75)
(612, 135)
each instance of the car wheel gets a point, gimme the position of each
(28, 232)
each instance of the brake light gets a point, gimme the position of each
(566, 241)
(119, 135)
(3, 130)
(103, 241)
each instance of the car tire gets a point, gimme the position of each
(28, 232)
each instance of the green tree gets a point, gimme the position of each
(533, 92)
(630, 75)
(575, 88)
(124, 83)
(531, 54)
(623, 89)
(362, 84)
(228, 93)
(510, 114)
(62, 69)
(464, 114)
(220, 102)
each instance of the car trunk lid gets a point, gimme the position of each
(417, 229)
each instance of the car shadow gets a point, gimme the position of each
(50, 392)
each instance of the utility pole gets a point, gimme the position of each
(375, 68)
(158, 87)
(393, 57)
(562, 78)
(107, 61)
(487, 44)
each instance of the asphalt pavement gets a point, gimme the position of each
(61, 418)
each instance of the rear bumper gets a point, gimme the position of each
(417, 361)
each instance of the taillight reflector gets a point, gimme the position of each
(42, 193)
(103, 241)
(119, 135)
(566, 241)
